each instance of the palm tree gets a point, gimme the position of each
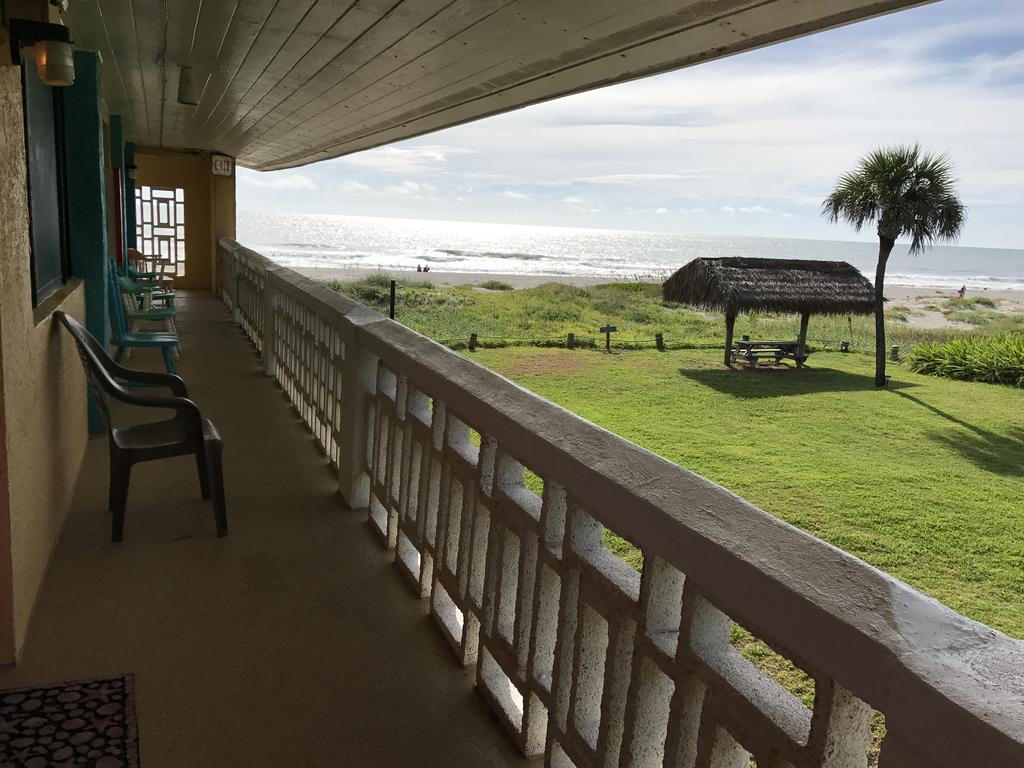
(907, 193)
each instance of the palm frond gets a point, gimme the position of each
(905, 191)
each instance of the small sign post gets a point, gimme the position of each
(607, 330)
(222, 165)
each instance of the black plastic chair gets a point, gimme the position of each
(187, 432)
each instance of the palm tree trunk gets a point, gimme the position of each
(885, 246)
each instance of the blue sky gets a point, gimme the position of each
(747, 145)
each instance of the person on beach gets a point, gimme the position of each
(962, 292)
(419, 268)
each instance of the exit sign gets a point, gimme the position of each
(223, 165)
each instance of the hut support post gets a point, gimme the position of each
(730, 323)
(802, 341)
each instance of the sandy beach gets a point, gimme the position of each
(917, 299)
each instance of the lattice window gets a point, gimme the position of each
(160, 225)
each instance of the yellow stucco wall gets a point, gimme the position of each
(209, 207)
(161, 168)
(223, 198)
(43, 407)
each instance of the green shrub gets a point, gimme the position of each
(495, 285)
(643, 314)
(992, 359)
(983, 301)
(971, 317)
(971, 302)
(553, 313)
(379, 280)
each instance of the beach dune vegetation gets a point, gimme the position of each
(543, 316)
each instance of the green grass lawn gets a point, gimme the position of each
(924, 480)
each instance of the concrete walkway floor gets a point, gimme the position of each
(293, 642)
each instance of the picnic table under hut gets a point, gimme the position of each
(781, 286)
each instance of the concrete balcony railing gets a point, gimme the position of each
(585, 660)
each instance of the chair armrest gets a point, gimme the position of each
(184, 408)
(151, 378)
(111, 371)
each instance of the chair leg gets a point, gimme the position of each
(120, 475)
(119, 355)
(215, 472)
(168, 359)
(172, 327)
(203, 468)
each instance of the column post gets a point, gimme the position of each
(129, 197)
(358, 382)
(269, 330)
(86, 195)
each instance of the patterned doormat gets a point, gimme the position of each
(88, 723)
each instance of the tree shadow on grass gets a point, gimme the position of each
(1002, 454)
(781, 381)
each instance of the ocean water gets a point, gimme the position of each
(326, 241)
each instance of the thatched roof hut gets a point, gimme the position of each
(792, 286)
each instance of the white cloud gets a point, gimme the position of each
(351, 185)
(511, 194)
(756, 209)
(661, 211)
(637, 178)
(694, 211)
(407, 187)
(404, 160)
(572, 200)
(284, 180)
(728, 209)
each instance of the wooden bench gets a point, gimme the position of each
(751, 352)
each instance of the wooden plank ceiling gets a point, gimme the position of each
(289, 82)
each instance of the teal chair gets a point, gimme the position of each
(138, 314)
(123, 338)
(134, 284)
(148, 282)
(136, 309)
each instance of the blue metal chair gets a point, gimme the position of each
(123, 338)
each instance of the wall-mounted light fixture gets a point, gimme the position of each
(52, 50)
(187, 91)
(132, 171)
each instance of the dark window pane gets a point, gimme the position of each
(45, 180)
